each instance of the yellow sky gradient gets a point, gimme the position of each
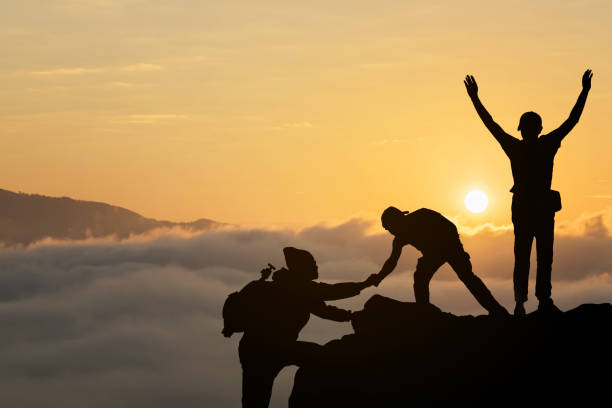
(268, 113)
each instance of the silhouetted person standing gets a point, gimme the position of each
(533, 202)
(437, 238)
(270, 337)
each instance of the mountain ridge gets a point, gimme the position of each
(29, 218)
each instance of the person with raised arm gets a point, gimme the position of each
(534, 204)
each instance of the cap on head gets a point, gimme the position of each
(530, 124)
(391, 216)
(301, 261)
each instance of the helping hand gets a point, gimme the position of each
(373, 280)
(586, 79)
(471, 86)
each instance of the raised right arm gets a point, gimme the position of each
(500, 135)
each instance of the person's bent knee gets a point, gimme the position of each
(419, 276)
(420, 273)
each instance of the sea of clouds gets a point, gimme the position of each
(137, 323)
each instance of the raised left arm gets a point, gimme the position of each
(576, 112)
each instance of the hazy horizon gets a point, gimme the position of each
(138, 322)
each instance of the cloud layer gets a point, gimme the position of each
(137, 323)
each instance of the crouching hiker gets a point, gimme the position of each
(438, 240)
(271, 315)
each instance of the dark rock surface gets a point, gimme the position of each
(404, 354)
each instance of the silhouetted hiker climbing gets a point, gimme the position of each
(271, 314)
(533, 202)
(437, 238)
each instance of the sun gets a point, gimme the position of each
(476, 201)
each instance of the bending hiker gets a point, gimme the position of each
(533, 202)
(273, 313)
(437, 238)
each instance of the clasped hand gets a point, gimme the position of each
(373, 280)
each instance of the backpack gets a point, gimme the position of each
(243, 307)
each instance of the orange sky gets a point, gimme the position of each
(276, 114)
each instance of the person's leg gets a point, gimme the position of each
(261, 363)
(301, 354)
(523, 240)
(257, 386)
(545, 234)
(459, 260)
(426, 267)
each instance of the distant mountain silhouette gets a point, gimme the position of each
(408, 354)
(27, 218)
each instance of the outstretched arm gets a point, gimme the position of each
(325, 311)
(342, 290)
(389, 264)
(500, 135)
(574, 115)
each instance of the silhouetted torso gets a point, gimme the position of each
(270, 336)
(426, 230)
(532, 165)
(285, 313)
(288, 307)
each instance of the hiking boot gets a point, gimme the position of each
(519, 310)
(547, 306)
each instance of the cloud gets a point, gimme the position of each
(58, 88)
(88, 4)
(383, 142)
(65, 71)
(598, 222)
(137, 323)
(147, 119)
(292, 125)
(486, 227)
(142, 67)
(119, 84)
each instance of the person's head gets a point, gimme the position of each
(530, 125)
(301, 262)
(392, 218)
